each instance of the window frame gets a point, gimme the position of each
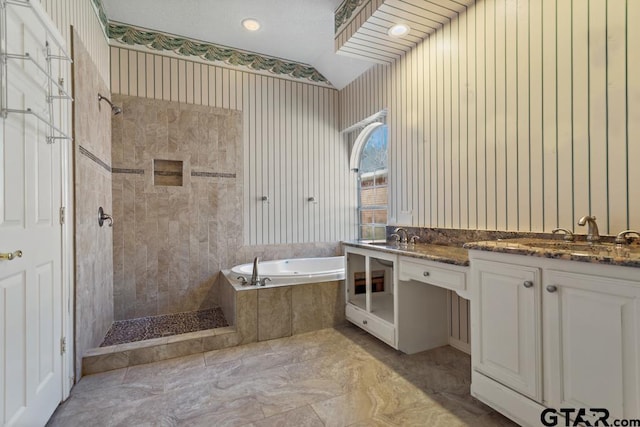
(356, 154)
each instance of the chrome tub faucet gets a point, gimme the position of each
(255, 279)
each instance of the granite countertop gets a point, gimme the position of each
(455, 255)
(601, 253)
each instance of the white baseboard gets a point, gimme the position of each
(464, 347)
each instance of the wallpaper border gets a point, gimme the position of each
(345, 11)
(154, 40)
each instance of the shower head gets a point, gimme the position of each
(114, 108)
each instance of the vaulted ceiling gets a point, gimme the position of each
(341, 39)
(296, 30)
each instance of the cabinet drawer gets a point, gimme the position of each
(428, 273)
(370, 323)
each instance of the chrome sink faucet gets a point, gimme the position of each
(592, 229)
(568, 235)
(623, 236)
(404, 236)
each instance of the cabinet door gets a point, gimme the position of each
(505, 310)
(592, 343)
(357, 281)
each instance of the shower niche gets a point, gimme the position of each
(168, 173)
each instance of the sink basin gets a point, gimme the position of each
(410, 247)
(573, 246)
(383, 244)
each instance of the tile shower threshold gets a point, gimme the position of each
(118, 356)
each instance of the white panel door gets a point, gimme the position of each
(506, 319)
(592, 343)
(30, 198)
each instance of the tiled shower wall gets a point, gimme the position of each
(292, 146)
(93, 244)
(170, 242)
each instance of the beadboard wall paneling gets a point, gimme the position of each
(81, 15)
(292, 147)
(366, 34)
(459, 326)
(518, 115)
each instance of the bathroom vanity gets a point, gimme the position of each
(400, 294)
(555, 327)
(553, 324)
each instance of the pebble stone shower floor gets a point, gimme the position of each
(145, 328)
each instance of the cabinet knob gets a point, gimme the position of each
(425, 273)
(528, 284)
(552, 288)
(364, 322)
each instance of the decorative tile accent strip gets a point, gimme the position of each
(95, 158)
(214, 174)
(211, 52)
(129, 171)
(344, 12)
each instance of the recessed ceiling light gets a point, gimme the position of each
(399, 30)
(251, 24)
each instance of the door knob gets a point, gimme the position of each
(10, 255)
(528, 284)
(552, 288)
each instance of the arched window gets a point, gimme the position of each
(369, 161)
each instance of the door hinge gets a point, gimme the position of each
(63, 345)
(62, 215)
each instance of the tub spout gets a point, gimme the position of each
(254, 274)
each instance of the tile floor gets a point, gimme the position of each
(145, 328)
(331, 377)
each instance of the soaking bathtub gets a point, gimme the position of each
(293, 271)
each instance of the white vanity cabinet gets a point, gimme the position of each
(592, 342)
(422, 294)
(439, 274)
(555, 334)
(400, 299)
(371, 287)
(506, 321)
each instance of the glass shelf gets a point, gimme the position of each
(52, 88)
